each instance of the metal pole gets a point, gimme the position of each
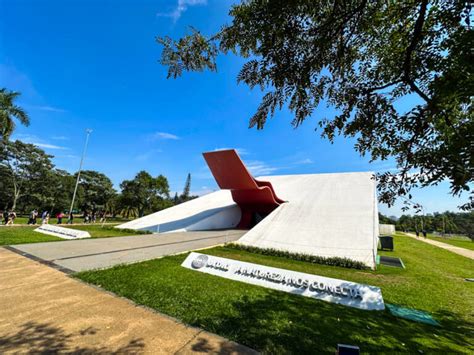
(422, 218)
(88, 132)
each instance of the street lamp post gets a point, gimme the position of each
(88, 132)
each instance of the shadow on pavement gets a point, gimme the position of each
(43, 338)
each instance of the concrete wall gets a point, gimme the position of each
(326, 214)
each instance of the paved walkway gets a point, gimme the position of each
(458, 250)
(87, 254)
(45, 311)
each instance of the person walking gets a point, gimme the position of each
(71, 218)
(32, 219)
(11, 218)
(102, 216)
(424, 233)
(5, 217)
(45, 217)
(60, 217)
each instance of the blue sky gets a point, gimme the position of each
(94, 64)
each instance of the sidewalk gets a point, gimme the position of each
(458, 250)
(44, 310)
(101, 253)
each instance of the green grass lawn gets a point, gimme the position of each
(461, 242)
(22, 235)
(277, 322)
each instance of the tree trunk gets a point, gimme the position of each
(16, 195)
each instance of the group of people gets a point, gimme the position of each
(45, 216)
(89, 217)
(422, 232)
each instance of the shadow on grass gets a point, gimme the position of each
(43, 338)
(282, 324)
(202, 345)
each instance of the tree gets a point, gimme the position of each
(145, 193)
(187, 189)
(446, 222)
(385, 220)
(359, 57)
(9, 112)
(26, 166)
(95, 189)
(56, 192)
(6, 188)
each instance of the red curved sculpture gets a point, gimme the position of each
(252, 196)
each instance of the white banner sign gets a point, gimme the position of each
(308, 285)
(61, 232)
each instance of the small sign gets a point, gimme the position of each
(323, 288)
(61, 232)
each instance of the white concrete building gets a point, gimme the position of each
(331, 215)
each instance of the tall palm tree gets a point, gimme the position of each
(8, 112)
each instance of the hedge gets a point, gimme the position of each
(315, 259)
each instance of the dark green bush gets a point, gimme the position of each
(315, 259)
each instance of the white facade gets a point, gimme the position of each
(385, 229)
(216, 210)
(326, 214)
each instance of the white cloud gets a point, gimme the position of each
(203, 175)
(147, 155)
(47, 145)
(163, 135)
(60, 138)
(31, 139)
(257, 168)
(304, 162)
(67, 156)
(240, 151)
(48, 108)
(204, 190)
(181, 7)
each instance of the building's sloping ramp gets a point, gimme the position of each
(216, 210)
(326, 214)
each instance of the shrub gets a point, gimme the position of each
(315, 259)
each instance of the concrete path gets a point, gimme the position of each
(45, 311)
(87, 254)
(458, 250)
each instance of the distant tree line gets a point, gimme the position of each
(29, 180)
(445, 223)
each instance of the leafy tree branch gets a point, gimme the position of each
(360, 57)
